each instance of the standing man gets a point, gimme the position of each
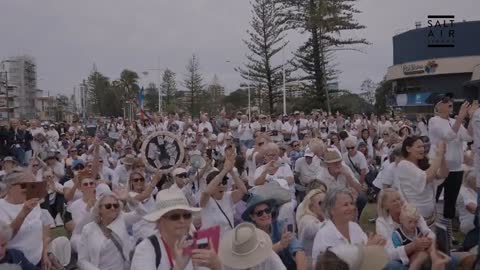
(451, 130)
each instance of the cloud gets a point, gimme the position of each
(67, 37)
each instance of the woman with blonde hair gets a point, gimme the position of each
(309, 220)
(389, 206)
(466, 206)
(105, 243)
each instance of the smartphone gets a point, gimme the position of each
(263, 129)
(202, 243)
(36, 190)
(442, 238)
(290, 228)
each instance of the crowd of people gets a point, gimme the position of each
(287, 192)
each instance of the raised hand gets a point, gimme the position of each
(464, 109)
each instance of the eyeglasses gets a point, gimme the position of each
(109, 206)
(136, 180)
(88, 184)
(267, 211)
(350, 148)
(296, 145)
(177, 216)
(182, 175)
(21, 185)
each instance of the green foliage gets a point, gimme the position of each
(237, 100)
(266, 40)
(350, 103)
(104, 98)
(151, 98)
(169, 89)
(194, 83)
(382, 93)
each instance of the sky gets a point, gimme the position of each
(68, 37)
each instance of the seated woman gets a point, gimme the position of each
(216, 202)
(30, 225)
(389, 205)
(9, 255)
(309, 220)
(105, 243)
(466, 206)
(260, 212)
(339, 229)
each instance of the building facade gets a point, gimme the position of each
(19, 76)
(420, 73)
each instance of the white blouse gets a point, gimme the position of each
(385, 228)
(465, 197)
(308, 227)
(329, 236)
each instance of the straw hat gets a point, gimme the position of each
(362, 257)
(168, 200)
(331, 156)
(128, 160)
(245, 247)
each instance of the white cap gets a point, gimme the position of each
(178, 171)
(309, 153)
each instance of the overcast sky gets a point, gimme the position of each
(67, 37)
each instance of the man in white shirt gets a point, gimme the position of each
(275, 128)
(337, 174)
(355, 160)
(205, 124)
(442, 128)
(306, 169)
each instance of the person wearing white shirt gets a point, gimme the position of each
(245, 133)
(442, 128)
(355, 160)
(338, 228)
(29, 223)
(105, 243)
(234, 123)
(307, 168)
(216, 202)
(417, 179)
(275, 128)
(389, 207)
(205, 124)
(338, 175)
(253, 157)
(290, 131)
(310, 219)
(384, 125)
(466, 207)
(173, 219)
(422, 129)
(123, 170)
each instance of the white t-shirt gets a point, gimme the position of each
(307, 172)
(29, 238)
(205, 125)
(79, 211)
(251, 165)
(414, 187)
(386, 176)
(280, 176)
(78, 194)
(213, 216)
(439, 130)
(329, 236)
(382, 127)
(358, 161)
(276, 126)
(143, 229)
(245, 131)
(336, 182)
(290, 129)
(465, 197)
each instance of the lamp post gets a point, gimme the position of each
(248, 91)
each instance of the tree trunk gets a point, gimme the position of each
(318, 72)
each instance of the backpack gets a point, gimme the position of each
(158, 252)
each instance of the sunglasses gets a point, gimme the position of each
(385, 134)
(136, 180)
(182, 175)
(88, 184)
(178, 216)
(260, 143)
(296, 145)
(109, 206)
(266, 211)
(35, 165)
(350, 148)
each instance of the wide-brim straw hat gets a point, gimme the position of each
(168, 200)
(128, 160)
(362, 257)
(245, 247)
